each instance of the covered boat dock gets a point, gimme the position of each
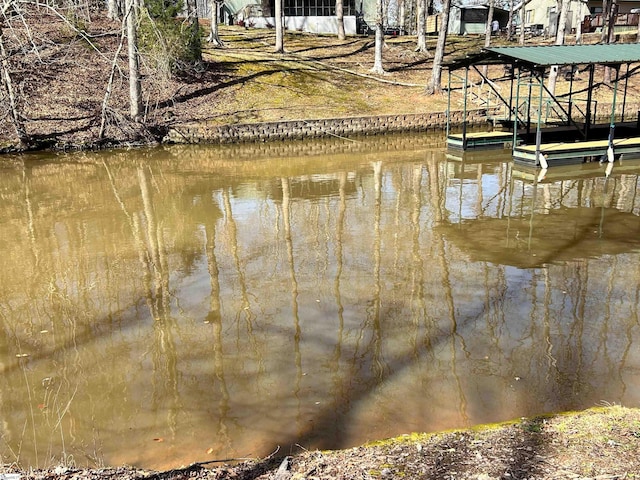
(566, 128)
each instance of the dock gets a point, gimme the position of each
(566, 130)
(577, 152)
(479, 140)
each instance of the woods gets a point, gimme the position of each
(37, 38)
(164, 39)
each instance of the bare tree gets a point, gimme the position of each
(7, 84)
(560, 31)
(421, 31)
(401, 16)
(606, 15)
(488, 31)
(408, 12)
(135, 89)
(488, 26)
(214, 36)
(609, 11)
(340, 17)
(377, 58)
(114, 9)
(611, 30)
(194, 30)
(6, 80)
(510, 21)
(523, 17)
(279, 27)
(435, 84)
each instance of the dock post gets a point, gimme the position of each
(612, 122)
(570, 105)
(511, 93)
(587, 126)
(538, 129)
(624, 97)
(529, 104)
(464, 119)
(515, 122)
(448, 101)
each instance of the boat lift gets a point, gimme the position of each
(570, 133)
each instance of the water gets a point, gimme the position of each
(165, 306)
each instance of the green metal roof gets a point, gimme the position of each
(536, 56)
(614, 53)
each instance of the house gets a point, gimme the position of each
(468, 19)
(313, 16)
(586, 16)
(472, 19)
(626, 20)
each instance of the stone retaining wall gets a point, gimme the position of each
(299, 129)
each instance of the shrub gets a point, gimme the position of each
(170, 44)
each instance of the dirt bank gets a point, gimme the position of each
(600, 443)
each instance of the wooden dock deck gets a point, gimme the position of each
(478, 140)
(576, 152)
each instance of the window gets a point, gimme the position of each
(474, 15)
(320, 8)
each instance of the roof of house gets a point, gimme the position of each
(540, 56)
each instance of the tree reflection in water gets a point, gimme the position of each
(165, 306)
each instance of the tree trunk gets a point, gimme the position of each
(279, 27)
(522, 18)
(409, 9)
(195, 46)
(421, 31)
(488, 27)
(487, 32)
(135, 90)
(611, 30)
(510, 22)
(214, 36)
(340, 17)
(579, 26)
(606, 13)
(114, 9)
(435, 84)
(610, 34)
(377, 58)
(562, 26)
(5, 80)
(401, 16)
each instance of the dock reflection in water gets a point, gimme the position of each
(166, 306)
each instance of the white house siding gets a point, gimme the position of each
(312, 24)
(320, 25)
(455, 21)
(537, 12)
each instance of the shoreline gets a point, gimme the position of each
(191, 133)
(598, 443)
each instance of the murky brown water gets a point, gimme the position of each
(161, 307)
